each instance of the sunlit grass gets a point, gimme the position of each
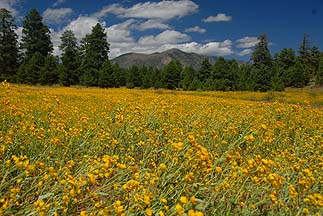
(78, 151)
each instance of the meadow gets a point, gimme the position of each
(91, 151)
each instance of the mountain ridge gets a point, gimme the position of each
(160, 59)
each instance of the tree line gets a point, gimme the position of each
(31, 61)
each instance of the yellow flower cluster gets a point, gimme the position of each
(88, 151)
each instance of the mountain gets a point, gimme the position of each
(159, 60)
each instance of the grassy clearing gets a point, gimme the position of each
(75, 151)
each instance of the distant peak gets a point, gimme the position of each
(174, 50)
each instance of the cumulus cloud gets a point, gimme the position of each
(10, 6)
(120, 33)
(221, 17)
(211, 48)
(196, 29)
(56, 15)
(152, 24)
(247, 42)
(166, 37)
(244, 52)
(122, 41)
(151, 10)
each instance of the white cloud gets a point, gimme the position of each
(245, 52)
(56, 15)
(166, 37)
(221, 17)
(152, 10)
(58, 2)
(247, 42)
(120, 33)
(82, 26)
(122, 41)
(152, 24)
(196, 29)
(212, 48)
(9, 5)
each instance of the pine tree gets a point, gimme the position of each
(298, 76)
(219, 68)
(245, 76)
(8, 46)
(205, 70)
(314, 60)
(286, 58)
(261, 54)
(147, 77)
(29, 71)
(36, 36)
(277, 83)
(157, 78)
(119, 76)
(49, 74)
(172, 74)
(133, 77)
(232, 74)
(319, 75)
(306, 59)
(94, 52)
(70, 59)
(304, 50)
(284, 64)
(188, 75)
(106, 79)
(262, 65)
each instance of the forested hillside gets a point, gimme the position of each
(31, 61)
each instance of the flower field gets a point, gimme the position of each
(78, 151)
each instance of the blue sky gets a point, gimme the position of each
(211, 27)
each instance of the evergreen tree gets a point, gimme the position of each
(319, 75)
(305, 50)
(277, 83)
(8, 46)
(36, 36)
(245, 77)
(232, 74)
(205, 70)
(29, 71)
(172, 75)
(157, 78)
(306, 59)
(284, 64)
(262, 76)
(262, 65)
(298, 76)
(49, 73)
(188, 76)
(314, 60)
(133, 77)
(261, 54)
(106, 79)
(286, 58)
(219, 68)
(69, 74)
(119, 76)
(147, 74)
(94, 52)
